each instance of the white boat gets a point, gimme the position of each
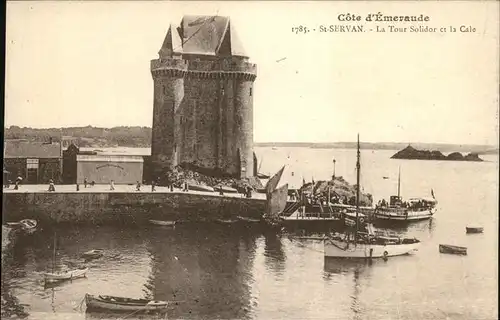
(65, 275)
(372, 247)
(56, 276)
(358, 244)
(225, 189)
(162, 222)
(248, 219)
(112, 303)
(199, 187)
(412, 210)
(26, 225)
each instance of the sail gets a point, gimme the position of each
(277, 200)
(273, 182)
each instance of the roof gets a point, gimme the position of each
(203, 35)
(27, 149)
(108, 158)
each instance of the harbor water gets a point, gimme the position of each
(239, 272)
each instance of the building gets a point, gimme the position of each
(34, 162)
(102, 168)
(203, 99)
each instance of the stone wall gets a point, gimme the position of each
(203, 114)
(114, 207)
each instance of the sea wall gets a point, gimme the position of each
(105, 207)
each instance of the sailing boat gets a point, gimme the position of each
(412, 210)
(54, 276)
(276, 200)
(358, 244)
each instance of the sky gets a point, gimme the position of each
(87, 63)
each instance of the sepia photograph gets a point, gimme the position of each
(251, 160)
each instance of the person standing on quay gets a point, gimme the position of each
(112, 185)
(138, 187)
(85, 182)
(51, 186)
(153, 183)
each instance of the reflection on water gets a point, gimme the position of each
(212, 271)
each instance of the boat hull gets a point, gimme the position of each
(474, 230)
(162, 223)
(73, 274)
(335, 249)
(445, 248)
(399, 216)
(96, 303)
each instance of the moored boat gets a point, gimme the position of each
(474, 229)
(162, 222)
(361, 244)
(447, 248)
(198, 187)
(26, 225)
(93, 254)
(276, 200)
(225, 189)
(226, 221)
(112, 303)
(248, 219)
(65, 275)
(413, 209)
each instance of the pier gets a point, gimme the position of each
(99, 204)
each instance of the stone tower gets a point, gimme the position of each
(203, 99)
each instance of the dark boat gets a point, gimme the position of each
(446, 248)
(118, 304)
(474, 229)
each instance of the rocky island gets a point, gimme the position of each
(411, 153)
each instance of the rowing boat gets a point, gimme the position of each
(247, 219)
(112, 303)
(66, 275)
(162, 222)
(93, 254)
(474, 229)
(447, 248)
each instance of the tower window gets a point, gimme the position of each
(250, 92)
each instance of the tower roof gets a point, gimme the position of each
(203, 35)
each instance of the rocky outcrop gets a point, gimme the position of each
(413, 154)
(341, 188)
(182, 174)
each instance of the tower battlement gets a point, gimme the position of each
(222, 69)
(203, 99)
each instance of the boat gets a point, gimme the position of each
(65, 275)
(198, 187)
(414, 209)
(112, 303)
(162, 222)
(367, 243)
(474, 229)
(225, 189)
(276, 201)
(248, 219)
(226, 221)
(447, 248)
(50, 277)
(26, 225)
(93, 254)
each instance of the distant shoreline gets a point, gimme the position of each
(140, 137)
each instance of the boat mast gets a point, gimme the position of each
(399, 181)
(54, 254)
(358, 167)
